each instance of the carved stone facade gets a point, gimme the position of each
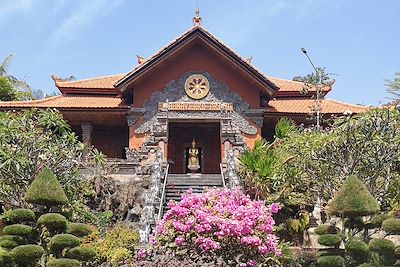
(232, 123)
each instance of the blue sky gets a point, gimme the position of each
(358, 40)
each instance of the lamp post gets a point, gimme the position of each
(318, 93)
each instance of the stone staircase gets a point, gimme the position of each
(180, 183)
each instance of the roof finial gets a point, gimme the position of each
(197, 19)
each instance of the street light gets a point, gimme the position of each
(319, 85)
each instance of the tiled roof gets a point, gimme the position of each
(181, 37)
(293, 86)
(305, 106)
(67, 101)
(105, 82)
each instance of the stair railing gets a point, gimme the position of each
(163, 192)
(221, 168)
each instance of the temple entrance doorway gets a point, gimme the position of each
(207, 143)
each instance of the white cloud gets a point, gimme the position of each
(86, 13)
(9, 8)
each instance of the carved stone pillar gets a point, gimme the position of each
(87, 130)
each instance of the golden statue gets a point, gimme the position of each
(193, 164)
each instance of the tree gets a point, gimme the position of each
(393, 86)
(313, 78)
(11, 88)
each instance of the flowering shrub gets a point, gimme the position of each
(220, 222)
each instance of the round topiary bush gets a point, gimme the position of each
(81, 253)
(367, 265)
(357, 249)
(397, 252)
(54, 222)
(79, 229)
(381, 246)
(63, 263)
(377, 220)
(59, 242)
(6, 259)
(14, 238)
(324, 229)
(18, 229)
(19, 215)
(330, 261)
(27, 254)
(8, 244)
(391, 226)
(330, 240)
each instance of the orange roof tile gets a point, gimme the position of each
(104, 82)
(66, 101)
(293, 86)
(305, 106)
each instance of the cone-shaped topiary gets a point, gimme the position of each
(353, 200)
(46, 190)
(27, 255)
(63, 263)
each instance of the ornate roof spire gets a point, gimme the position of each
(197, 19)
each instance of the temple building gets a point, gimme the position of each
(195, 88)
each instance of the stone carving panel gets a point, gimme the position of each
(174, 92)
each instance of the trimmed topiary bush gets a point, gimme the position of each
(381, 246)
(14, 238)
(19, 215)
(397, 252)
(330, 240)
(27, 255)
(79, 229)
(18, 229)
(324, 229)
(8, 244)
(63, 263)
(391, 226)
(59, 242)
(357, 249)
(367, 265)
(46, 190)
(353, 200)
(377, 220)
(6, 259)
(81, 253)
(54, 222)
(330, 261)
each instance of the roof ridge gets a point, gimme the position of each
(89, 79)
(33, 101)
(344, 103)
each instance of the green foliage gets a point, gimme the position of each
(29, 140)
(357, 249)
(353, 200)
(18, 230)
(54, 222)
(393, 86)
(79, 229)
(46, 190)
(8, 244)
(284, 127)
(27, 255)
(63, 262)
(330, 240)
(330, 261)
(7, 92)
(381, 246)
(82, 253)
(324, 229)
(6, 259)
(18, 216)
(367, 265)
(61, 241)
(377, 220)
(14, 238)
(118, 244)
(391, 226)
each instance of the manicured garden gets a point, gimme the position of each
(309, 197)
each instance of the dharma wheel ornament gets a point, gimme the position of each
(197, 86)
